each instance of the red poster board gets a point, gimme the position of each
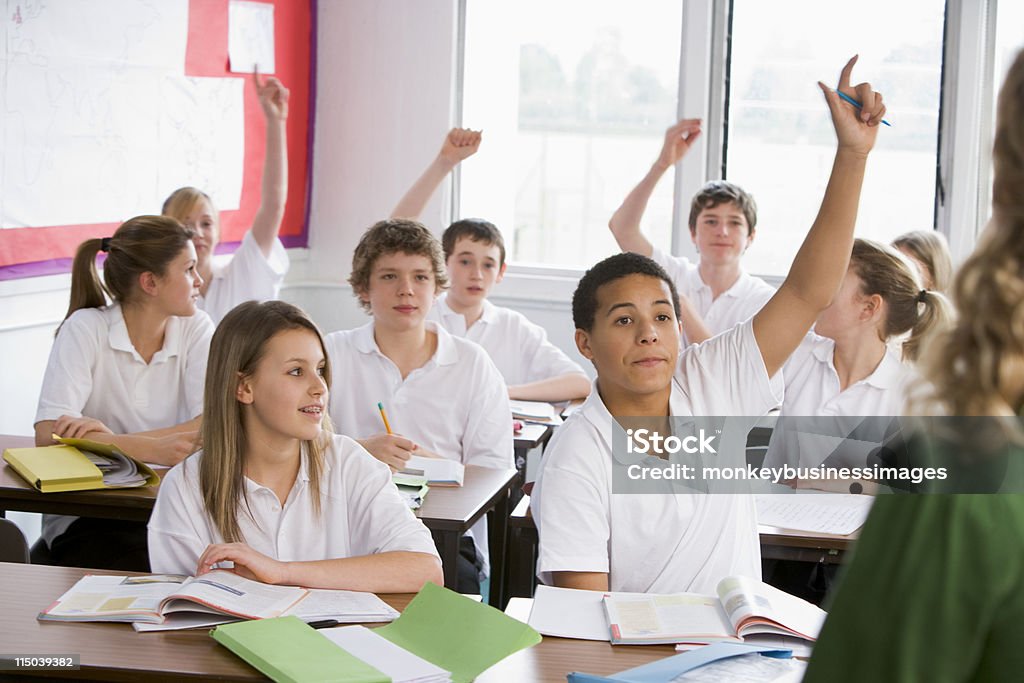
(45, 250)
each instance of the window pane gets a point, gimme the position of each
(573, 97)
(780, 141)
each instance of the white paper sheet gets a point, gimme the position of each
(251, 36)
(826, 513)
(568, 613)
(393, 661)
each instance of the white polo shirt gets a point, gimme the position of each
(247, 276)
(812, 389)
(94, 371)
(740, 302)
(650, 542)
(361, 513)
(519, 348)
(456, 405)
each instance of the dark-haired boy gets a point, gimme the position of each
(533, 368)
(716, 292)
(626, 312)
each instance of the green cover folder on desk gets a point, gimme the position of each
(287, 649)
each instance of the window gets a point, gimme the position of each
(779, 146)
(573, 97)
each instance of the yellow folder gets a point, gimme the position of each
(65, 467)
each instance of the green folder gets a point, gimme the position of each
(288, 649)
(457, 633)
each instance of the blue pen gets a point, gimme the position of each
(857, 104)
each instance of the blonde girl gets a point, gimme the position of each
(258, 266)
(929, 250)
(274, 492)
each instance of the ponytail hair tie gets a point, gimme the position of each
(105, 244)
(921, 296)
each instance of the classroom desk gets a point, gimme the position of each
(776, 544)
(115, 652)
(447, 511)
(529, 437)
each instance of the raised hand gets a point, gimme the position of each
(273, 97)
(460, 144)
(678, 140)
(856, 129)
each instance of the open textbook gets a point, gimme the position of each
(437, 471)
(742, 608)
(170, 601)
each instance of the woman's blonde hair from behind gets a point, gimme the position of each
(237, 347)
(977, 368)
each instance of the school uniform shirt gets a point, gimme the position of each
(361, 513)
(650, 542)
(247, 276)
(738, 303)
(519, 348)
(95, 371)
(455, 405)
(812, 389)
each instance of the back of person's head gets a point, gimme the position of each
(236, 350)
(977, 367)
(476, 230)
(719, 192)
(183, 201)
(909, 306)
(930, 249)
(394, 236)
(584, 299)
(140, 245)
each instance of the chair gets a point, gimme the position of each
(13, 547)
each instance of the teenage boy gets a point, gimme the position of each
(533, 368)
(626, 312)
(442, 395)
(716, 292)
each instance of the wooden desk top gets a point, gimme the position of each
(444, 509)
(457, 508)
(116, 652)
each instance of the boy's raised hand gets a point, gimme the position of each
(460, 144)
(855, 128)
(273, 97)
(678, 140)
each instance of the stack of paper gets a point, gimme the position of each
(413, 488)
(825, 513)
(437, 471)
(119, 471)
(535, 411)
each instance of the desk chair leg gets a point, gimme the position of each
(447, 543)
(497, 533)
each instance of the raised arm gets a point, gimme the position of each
(625, 222)
(274, 188)
(821, 262)
(459, 144)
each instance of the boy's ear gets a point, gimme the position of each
(501, 273)
(148, 282)
(583, 344)
(243, 392)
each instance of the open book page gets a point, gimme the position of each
(396, 662)
(648, 618)
(437, 471)
(352, 607)
(232, 594)
(756, 607)
(826, 513)
(114, 598)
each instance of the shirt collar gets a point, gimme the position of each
(445, 312)
(446, 353)
(119, 340)
(885, 376)
(596, 412)
(738, 289)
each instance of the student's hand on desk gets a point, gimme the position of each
(273, 97)
(678, 140)
(77, 427)
(248, 563)
(391, 449)
(855, 128)
(460, 144)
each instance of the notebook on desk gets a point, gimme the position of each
(78, 465)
